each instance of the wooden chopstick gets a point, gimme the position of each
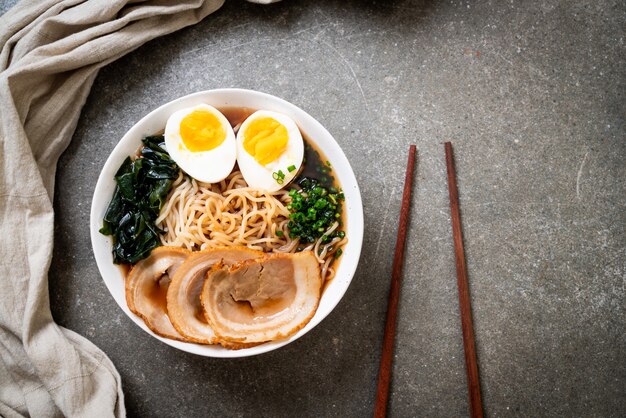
(471, 364)
(384, 372)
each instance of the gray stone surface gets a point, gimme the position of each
(532, 96)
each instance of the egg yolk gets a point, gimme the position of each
(201, 131)
(265, 139)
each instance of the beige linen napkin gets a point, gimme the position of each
(51, 53)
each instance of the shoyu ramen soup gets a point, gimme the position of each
(201, 215)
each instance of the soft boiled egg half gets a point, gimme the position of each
(202, 142)
(269, 150)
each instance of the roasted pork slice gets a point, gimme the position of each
(264, 299)
(183, 296)
(147, 285)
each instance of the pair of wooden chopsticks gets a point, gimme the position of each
(384, 373)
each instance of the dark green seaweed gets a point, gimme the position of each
(143, 184)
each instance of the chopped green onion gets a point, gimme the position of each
(338, 253)
(291, 168)
(280, 234)
(328, 163)
(279, 176)
(313, 211)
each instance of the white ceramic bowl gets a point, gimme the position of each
(155, 122)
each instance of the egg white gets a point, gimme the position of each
(261, 176)
(206, 166)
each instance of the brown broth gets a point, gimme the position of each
(236, 115)
(158, 293)
(315, 165)
(125, 269)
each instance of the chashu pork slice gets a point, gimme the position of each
(147, 285)
(183, 296)
(264, 299)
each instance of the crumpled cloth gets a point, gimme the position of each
(51, 53)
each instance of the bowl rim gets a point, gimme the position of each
(353, 206)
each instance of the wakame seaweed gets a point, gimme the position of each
(143, 184)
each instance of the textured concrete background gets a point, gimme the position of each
(532, 96)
